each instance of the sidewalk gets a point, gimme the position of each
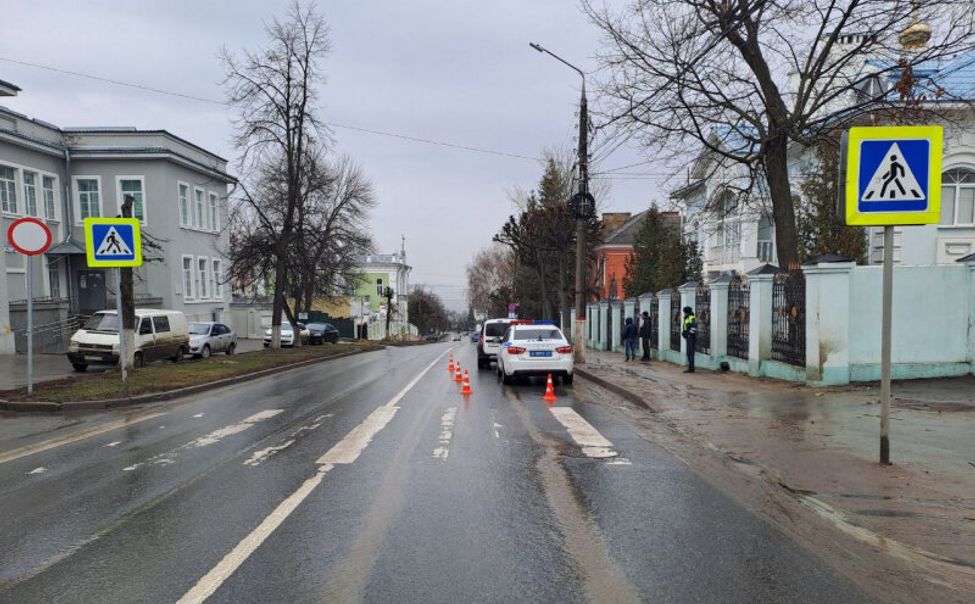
(822, 445)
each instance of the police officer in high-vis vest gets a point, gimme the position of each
(690, 334)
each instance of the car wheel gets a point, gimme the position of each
(80, 367)
(180, 353)
(138, 360)
(567, 379)
(506, 379)
(232, 348)
(205, 353)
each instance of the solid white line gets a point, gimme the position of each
(356, 440)
(72, 438)
(592, 442)
(211, 581)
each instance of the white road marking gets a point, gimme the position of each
(260, 456)
(199, 415)
(114, 443)
(72, 438)
(214, 437)
(446, 433)
(496, 433)
(39, 470)
(593, 443)
(162, 427)
(343, 451)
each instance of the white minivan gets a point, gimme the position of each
(158, 334)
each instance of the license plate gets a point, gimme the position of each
(541, 353)
(92, 357)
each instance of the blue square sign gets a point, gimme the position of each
(113, 242)
(893, 175)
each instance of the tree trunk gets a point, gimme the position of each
(783, 210)
(542, 287)
(125, 289)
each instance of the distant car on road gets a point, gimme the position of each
(475, 336)
(209, 337)
(490, 341)
(456, 337)
(319, 333)
(432, 337)
(288, 335)
(534, 349)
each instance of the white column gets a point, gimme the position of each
(663, 322)
(616, 326)
(7, 345)
(760, 320)
(971, 315)
(828, 322)
(719, 317)
(688, 292)
(603, 325)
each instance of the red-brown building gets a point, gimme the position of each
(619, 231)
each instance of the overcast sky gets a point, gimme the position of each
(454, 71)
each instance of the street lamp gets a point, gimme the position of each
(583, 206)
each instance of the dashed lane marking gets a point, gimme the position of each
(593, 443)
(260, 456)
(446, 434)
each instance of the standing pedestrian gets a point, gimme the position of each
(629, 339)
(645, 329)
(690, 334)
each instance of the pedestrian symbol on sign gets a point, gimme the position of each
(893, 179)
(113, 245)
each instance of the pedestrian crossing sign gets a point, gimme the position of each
(892, 175)
(113, 242)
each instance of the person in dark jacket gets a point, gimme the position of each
(629, 339)
(690, 334)
(645, 329)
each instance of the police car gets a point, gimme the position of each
(534, 348)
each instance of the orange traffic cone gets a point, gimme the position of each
(457, 375)
(549, 391)
(466, 388)
(450, 368)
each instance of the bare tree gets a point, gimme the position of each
(490, 279)
(273, 91)
(746, 78)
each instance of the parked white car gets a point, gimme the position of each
(158, 334)
(489, 342)
(535, 349)
(208, 337)
(288, 335)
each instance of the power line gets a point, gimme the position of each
(191, 97)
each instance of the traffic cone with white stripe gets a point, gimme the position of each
(450, 367)
(549, 391)
(457, 376)
(466, 388)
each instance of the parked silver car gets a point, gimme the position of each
(208, 337)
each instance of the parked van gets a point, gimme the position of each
(158, 334)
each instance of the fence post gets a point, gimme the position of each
(663, 323)
(970, 262)
(603, 325)
(828, 322)
(616, 326)
(719, 318)
(760, 316)
(688, 297)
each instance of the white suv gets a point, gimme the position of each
(492, 331)
(535, 349)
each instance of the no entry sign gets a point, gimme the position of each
(29, 236)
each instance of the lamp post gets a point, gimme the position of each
(582, 205)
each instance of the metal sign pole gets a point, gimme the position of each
(121, 331)
(885, 345)
(30, 325)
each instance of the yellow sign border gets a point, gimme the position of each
(136, 240)
(858, 134)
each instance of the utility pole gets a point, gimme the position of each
(126, 308)
(582, 205)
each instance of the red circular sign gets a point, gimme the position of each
(29, 236)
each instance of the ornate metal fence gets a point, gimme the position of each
(702, 305)
(675, 322)
(738, 301)
(789, 318)
(654, 311)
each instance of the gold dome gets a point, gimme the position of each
(915, 37)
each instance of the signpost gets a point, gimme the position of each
(114, 243)
(30, 237)
(892, 176)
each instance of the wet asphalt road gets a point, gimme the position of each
(483, 499)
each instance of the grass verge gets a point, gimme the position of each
(165, 376)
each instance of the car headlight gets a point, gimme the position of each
(73, 346)
(115, 348)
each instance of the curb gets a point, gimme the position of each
(615, 389)
(51, 407)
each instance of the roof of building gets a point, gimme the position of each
(8, 89)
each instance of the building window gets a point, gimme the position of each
(184, 204)
(379, 287)
(8, 189)
(198, 215)
(53, 277)
(212, 207)
(30, 193)
(89, 202)
(215, 281)
(133, 186)
(50, 200)
(188, 278)
(202, 276)
(958, 197)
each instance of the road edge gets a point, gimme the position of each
(619, 391)
(53, 407)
